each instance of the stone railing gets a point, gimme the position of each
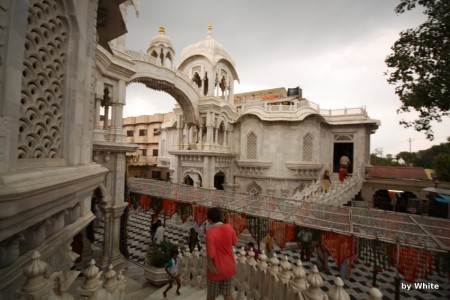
(339, 192)
(38, 286)
(268, 107)
(265, 278)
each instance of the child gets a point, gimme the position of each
(269, 243)
(172, 271)
(326, 181)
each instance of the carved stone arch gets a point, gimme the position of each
(222, 119)
(189, 110)
(154, 54)
(169, 56)
(196, 78)
(195, 175)
(223, 83)
(219, 179)
(254, 188)
(229, 66)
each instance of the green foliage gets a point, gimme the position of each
(408, 157)
(441, 164)
(159, 256)
(424, 158)
(420, 65)
(381, 161)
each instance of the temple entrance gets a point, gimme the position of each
(339, 150)
(219, 179)
(188, 180)
(192, 178)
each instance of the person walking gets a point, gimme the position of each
(221, 264)
(172, 270)
(159, 233)
(153, 227)
(192, 240)
(344, 161)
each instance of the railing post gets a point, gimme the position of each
(299, 282)
(36, 286)
(91, 283)
(337, 292)
(315, 282)
(375, 294)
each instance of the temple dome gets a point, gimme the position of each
(209, 48)
(161, 39)
(161, 48)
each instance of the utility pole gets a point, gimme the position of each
(409, 141)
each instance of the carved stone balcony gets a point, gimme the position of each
(305, 170)
(253, 167)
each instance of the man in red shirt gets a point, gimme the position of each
(220, 239)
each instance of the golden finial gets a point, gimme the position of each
(162, 29)
(209, 27)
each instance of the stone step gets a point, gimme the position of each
(185, 291)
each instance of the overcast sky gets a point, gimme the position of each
(333, 49)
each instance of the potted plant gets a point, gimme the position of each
(155, 261)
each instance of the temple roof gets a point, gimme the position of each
(209, 48)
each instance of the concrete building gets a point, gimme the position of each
(145, 132)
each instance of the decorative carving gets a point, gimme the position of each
(35, 274)
(42, 103)
(254, 188)
(308, 147)
(92, 275)
(4, 137)
(252, 146)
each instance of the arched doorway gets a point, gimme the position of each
(219, 179)
(188, 180)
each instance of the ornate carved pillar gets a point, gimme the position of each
(225, 139)
(180, 132)
(216, 138)
(185, 137)
(200, 139)
(209, 132)
(116, 132)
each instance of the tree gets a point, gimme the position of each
(420, 65)
(408, 157)
(441, 165)
(376, 160)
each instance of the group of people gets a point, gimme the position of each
(344, 164)
(221, 264)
